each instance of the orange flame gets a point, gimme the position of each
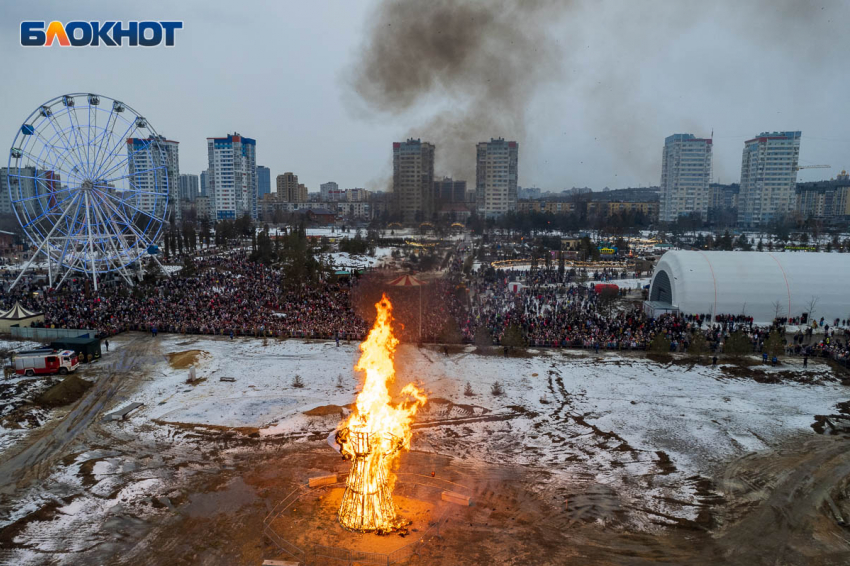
(386, 424)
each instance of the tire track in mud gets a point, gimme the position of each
(787, 490)
(37, 459)
(566, 446)
(586, 450)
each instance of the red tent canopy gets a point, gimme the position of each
(406, 281)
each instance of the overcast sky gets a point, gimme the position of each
(625, 75)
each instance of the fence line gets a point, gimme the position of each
(33, 333)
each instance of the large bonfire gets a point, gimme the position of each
(375, 432)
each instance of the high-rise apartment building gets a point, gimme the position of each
(768, 178)
(724, 196)
(301, 194)
(413, 180)
(326, 190)
(203, 207)
(448, 190)
(685, 177)
(264, 181)
(147, 176)
(496, 177)
(828, 200)
(232, 176)
(356, 195)
(205, 187)
(5, 201)
(26, 176)
(287, 187)
(188, 187)
(531, 192)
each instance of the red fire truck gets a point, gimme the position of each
(45, 362)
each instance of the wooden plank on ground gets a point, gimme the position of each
(322, 480)
(121, 414)
(456, 498)
(279, 563)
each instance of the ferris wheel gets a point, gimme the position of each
(88, 182)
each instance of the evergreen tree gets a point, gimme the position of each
(450, 333)
(743, 243)
(151, 272)
(205, 231)
(467, 264)
(264, 251)
(513, 337)
(774, 345)
(660, 344)
(737, 345)
(482, 337)
(699, 345)
(188, 267)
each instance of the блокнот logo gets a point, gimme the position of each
(112, 34)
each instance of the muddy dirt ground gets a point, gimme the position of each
(88, 492)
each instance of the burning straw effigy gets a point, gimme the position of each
(376, 432)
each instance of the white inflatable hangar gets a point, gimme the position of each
(762, 285)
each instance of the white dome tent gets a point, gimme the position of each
(758, 284)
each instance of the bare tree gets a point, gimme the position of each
(812, 306)
(777, 309)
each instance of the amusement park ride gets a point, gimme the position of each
(91, 202)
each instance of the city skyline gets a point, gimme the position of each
(564, 142)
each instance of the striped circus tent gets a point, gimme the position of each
(18, 316)
(406, 281)
(18, 312)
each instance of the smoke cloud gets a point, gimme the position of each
(483, 57)
(474, 67)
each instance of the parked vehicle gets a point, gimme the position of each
(46, 362)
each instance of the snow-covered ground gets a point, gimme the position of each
(604, 387)
(353, 261)
(607, 417)
(17, 345)
(335, 232)
(573, 419)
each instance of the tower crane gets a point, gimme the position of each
(814, 167)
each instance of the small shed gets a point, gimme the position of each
(82, 346)
(18, 316)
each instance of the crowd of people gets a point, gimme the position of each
(226, 295)
(552, 311)
(232, 295)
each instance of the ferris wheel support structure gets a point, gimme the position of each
(88, 181)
